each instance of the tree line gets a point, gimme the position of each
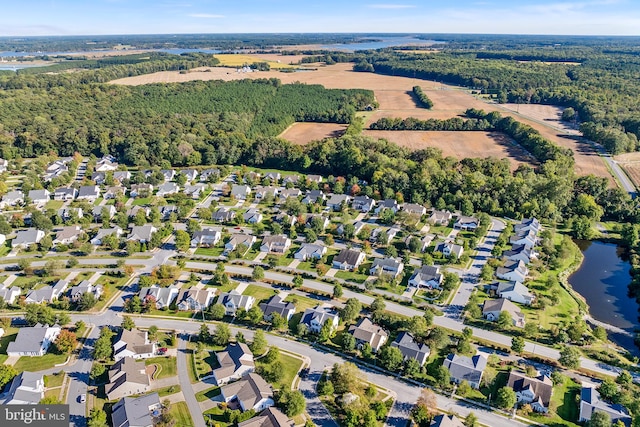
(423, 99)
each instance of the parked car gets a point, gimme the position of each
(162, 350)
(82, 398)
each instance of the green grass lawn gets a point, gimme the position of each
(26, 282)
(563, 408)
(306, 266)
(141, 201)
(172, 313)
(166, 366)
(207, 394)
(215, 251)
(302, 303)
(5, 249)
(352, 276)
(181, 414)
(10, 335)
(169, 390)
(54, 380)
(291, 367)
(252, 253)
(109, 286)
(216, 415)
(54, 204)
(259, 293)
(39, 363)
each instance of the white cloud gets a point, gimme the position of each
(391, 6)
(205, 15)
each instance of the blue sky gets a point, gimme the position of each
(71, 17)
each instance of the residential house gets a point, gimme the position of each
(114, 192)
(277, 304)
(133, 343)
(209, 175)
(56, 169)
(591, 402)
(285, 220)
(289, 192)
(275, 244)
(315, 318)
(97, 213)
(162, 296)
(314, 178)
(136, 412)
(142, 233)
(223, 214)
(70, 214)
(439, 217)
(103, 232)
(525, 237)
(414, 209)
(269, 191)
(167, 210)
(427, 276)
(273, 176)
(47, 294)
(386, 266)
(121, 176)
(33, 341)
(132, 212)
(528, 224)
(235, 362)
(519, 253)
(363, 203)
(449, 249)
(126, 377)
(168, 174)
(293, 179)
(270, 417)
(336, 201)
(425, 241)
(313, 196)
(514, 271)
(240, 240)
(464, 368)
(348, 259)
(207, 237)
(65, 193)
(89, 193)
(13, 198)
(240, 192)
(383, 235)
(234, 300)
(358, 226)
(252, 216)
(444, 420)
(39, 197)
(194, 191)
(25, 238)
(251, 392)
(366, 332)
(310, 251)
(85, 287)
(316, 219)
(9, 295)
(26, 388)
(195, 299)
(67, 235)
(168, 188)
(493, 307)
(4, 165)
(106, 164)
(468, 223)
(411, 349)
(391, 204)
(141, 190)
(190, 174)
(99, 177)
(534, 391)
(516, 292)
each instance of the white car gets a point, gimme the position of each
(83, 398)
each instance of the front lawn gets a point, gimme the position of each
(181, 414)
(302, 303)
(217, 417)
(54, 380)
(215, 251)
(563, 408)
(166, 366)
(291, 367)
(352, 276)
(39, 363)
(259, 293)
(208, 394)
(169, 390)
(142, 201)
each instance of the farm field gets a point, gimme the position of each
(630, 162)
(303, 133)
(392, 93)
(238, 60)
(459, 144)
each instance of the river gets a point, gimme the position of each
(603, 280)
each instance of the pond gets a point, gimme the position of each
(603, 280)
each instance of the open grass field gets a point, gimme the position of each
(239, 60)
(459, 144)
(630, 162)
(303, 133)
(181, 414)
(392, 93)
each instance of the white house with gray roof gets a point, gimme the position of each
(427, 276)
(336, 201)
(206, 237)
(234, 300)
(240, 192)
(24, 238)
(591, 402)
(168, 188)
(411, 349)
(33, 341)
(27, 388)
(163, 296)
(104, 232)
(13, 198)
(142, 233)
(65, 193)
(348, 259)
(10, 294)
(315, 318)
(277, 304)
(47, 293)
(89, 193)
(464, 368)
(310, 251)
(136, 411)
(39, 197)
(386, 266)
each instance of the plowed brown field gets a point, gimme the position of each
(304, 133)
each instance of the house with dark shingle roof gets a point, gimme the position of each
(310, 251)
(366, 332)
(33, 341)
(235, 362)
(535, 391)
(386, 266)
(136, 412)
(591, 402)
(26, 388)
(411, 349)
(464, 368)
(133, 343)
(196, 299)
(315, 318)
(348, 259)
(427, 276)
(270, 417)
(493, 307)
(277, 304)
(234, 300)
(444, 420)
(251, 392)
(126, 377)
